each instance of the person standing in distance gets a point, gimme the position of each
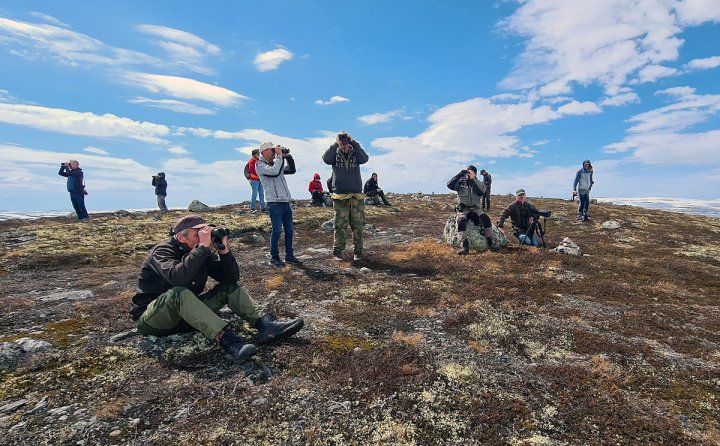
(160, 184)
(345, 156)
(76, 187)
(583, 183)
(487, 181)
(255, 184)
(273, 164)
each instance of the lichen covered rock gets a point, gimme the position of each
(476, 235)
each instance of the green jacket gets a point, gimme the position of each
(469, 191)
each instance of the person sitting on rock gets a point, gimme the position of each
(170, 297)
(372, 190)
(519, 212)
(316, 191)
(470, 191)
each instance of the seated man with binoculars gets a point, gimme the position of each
(170, 297)
(470, 191)
(525, 220)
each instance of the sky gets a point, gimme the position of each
(524, 89)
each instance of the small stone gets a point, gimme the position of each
(328, 226)
(18, 426)
(365, 270)
(120, 213)
(12, 407)
(115, 433)
(41, 406)
(134, 422)
(567, 246)
(66, 295)
(124, 335)
(611, 224)
(80, 425)
(257, 238)
(370, 228)
(63, 418)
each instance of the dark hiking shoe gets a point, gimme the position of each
(337, 255)
(586, 218)
(275, 261)
(357, 256)
(293, 260)
(238, 350)
(465, 248)
(270, 330)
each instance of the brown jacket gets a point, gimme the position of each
(519, 215)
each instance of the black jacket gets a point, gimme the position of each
(170, 263)
(346, 168)
(370, 186)
(160, 184)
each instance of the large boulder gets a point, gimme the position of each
(476, 235)
(12, 352)
(198, 206)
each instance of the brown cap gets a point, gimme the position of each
(189, 221)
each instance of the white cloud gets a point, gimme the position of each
(34, 40)
(332, 100)
(173, 105)
(579, 108)
(183, 48)
(96, 150)
(271, 60)
(49, 19)
(82, 123)
(177, 150)
(621, 99)
(608, 42)
(707, 63)
(183, 88)
(664, 135)
(377, 118)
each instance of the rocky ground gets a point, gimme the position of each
(414, 345)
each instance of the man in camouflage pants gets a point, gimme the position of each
(345, 157)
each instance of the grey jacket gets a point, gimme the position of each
(272, 177)
(346, 168)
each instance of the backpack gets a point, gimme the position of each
(247, 170)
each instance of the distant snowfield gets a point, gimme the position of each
(708, 208)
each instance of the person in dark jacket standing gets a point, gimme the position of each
(170, 297)
(372, 190)
(160, 190)
(345, 156)
(470, 191)
(519, 212)
(583, 183)
(76, 187)
(487, 181)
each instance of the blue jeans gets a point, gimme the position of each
(257, 189)
(584, 203)
(78, 202)
(281, 216)
(525, 240)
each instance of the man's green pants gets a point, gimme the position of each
(178, 310)
(350, 211)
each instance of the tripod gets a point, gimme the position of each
(536, 228)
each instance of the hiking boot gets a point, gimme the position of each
(293, 260)
(275, 261)
(465, 248)
(586, 218)
(270, 330)
(238, 350)
(337, 255)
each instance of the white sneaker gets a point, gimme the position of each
(357, 258)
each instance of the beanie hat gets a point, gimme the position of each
(586, 161)
(316, 176)
(473, 168)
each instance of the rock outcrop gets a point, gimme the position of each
(198, 206)
(478, 241)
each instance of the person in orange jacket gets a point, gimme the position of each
(316, 190)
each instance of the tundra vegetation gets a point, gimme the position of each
(414, 346)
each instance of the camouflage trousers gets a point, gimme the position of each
(350, 211)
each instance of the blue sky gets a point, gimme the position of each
(526, 90)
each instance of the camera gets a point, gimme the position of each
(284, 150)
(344, 138)
(538, 214)
(217, 235)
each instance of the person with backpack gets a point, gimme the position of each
(255, 184)
(76, 187)
(583, 183)
(160, 190)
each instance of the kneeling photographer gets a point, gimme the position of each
(170, 297)
(525, 220)
(470, 191)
